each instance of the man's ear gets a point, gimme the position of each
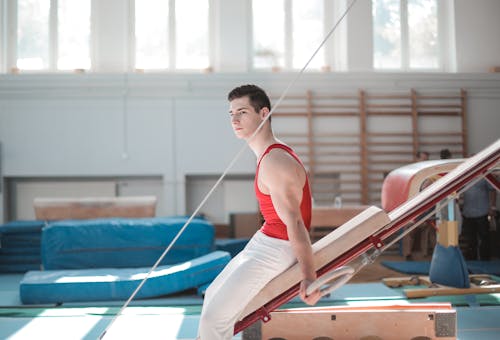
(264, 112)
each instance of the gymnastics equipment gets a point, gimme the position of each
(342, 247)
(400, 321)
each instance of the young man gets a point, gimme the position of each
(282, 189)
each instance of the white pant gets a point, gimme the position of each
(244, 276)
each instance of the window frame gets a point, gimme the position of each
(10, 53)
(442, 34)
(331, 50)
(3, 36)
(172, 44)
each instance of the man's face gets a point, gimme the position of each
(244, 118)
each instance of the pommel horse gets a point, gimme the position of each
(367, 231)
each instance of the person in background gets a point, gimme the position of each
(478, 205)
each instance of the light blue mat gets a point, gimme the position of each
(41, 287)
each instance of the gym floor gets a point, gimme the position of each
(176, 317)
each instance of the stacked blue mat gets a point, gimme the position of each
(20, 246)
(105, 259)
(123, 242)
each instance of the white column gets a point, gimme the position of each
(111, 35)
(232, 35)
(360, 37)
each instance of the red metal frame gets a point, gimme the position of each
(376, 240)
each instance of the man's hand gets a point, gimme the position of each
(312, 298)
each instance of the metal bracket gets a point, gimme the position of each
(264, 314)
(377, 241)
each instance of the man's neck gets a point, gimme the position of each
(261, 142)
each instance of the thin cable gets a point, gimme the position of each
(231, 164)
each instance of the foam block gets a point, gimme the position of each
(21, 234)
(123, 243)
(14, 227)
(448, 267)
(106, 284)
(18, 267)
(20, 246)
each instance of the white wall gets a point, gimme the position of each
(477, 35)
(173, 125)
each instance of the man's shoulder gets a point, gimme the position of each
(278, 157)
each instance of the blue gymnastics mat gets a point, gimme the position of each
(104, 284)
(22, 226)
(20, 246)
(231, 245)
(123, 243)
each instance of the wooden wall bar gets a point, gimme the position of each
(350, 141)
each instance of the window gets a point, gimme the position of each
(405, 35)
(286, 33)
(171, 34)
(50, 38)
(73, 44)
(151, 34)
(33, 18)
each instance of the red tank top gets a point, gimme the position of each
(273, 226)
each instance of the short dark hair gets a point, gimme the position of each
(444, 154)
(257, 96)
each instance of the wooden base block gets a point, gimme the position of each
(94, 207)
(426, 321)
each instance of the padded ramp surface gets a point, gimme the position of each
(118, 284)
(123, 243)
(338, 242)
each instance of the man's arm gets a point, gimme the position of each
(284, 178)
